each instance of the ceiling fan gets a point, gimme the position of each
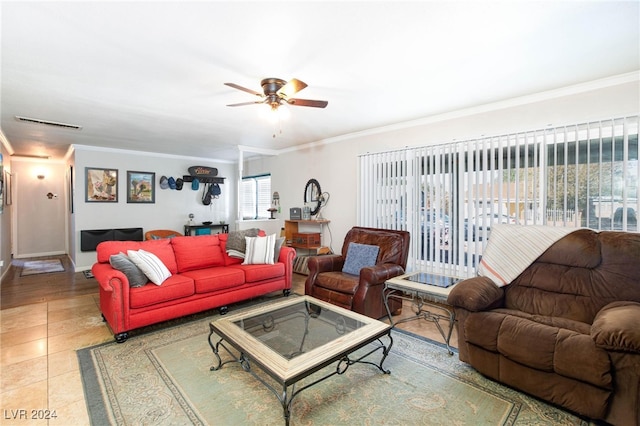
(278, 91)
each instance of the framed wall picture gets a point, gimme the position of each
(101, 185)
(141, 187)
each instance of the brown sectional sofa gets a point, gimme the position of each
(566, 330)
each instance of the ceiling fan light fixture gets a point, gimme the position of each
(278, 92)
(283, 112)
(275, 113)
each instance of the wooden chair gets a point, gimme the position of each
(157, 234)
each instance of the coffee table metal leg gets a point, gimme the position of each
(341, 368)
(286, 404)
(215, 347)
(385, 352)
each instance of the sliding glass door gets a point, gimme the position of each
(449, 196)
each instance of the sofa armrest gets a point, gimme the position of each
(114, 296)
(476, 294)
(108, 278)
(378, 274)
(325, 263)
(368, 297)
(617, 327)
(286, 256)
(317, 264)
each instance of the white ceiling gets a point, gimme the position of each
(150, 76)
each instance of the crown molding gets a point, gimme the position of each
(77, 147)
(5, 143)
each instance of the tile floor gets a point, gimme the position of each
(39, 372)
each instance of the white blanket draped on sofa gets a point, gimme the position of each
(512, 248)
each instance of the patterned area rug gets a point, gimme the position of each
(163, 377)
(34, 267)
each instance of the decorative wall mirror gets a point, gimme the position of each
(312, 193)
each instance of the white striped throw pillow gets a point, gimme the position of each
(259, 250)
(149, 263)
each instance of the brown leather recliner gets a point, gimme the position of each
(363, 293)
(566, 330)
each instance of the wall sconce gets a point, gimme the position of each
(40, 176)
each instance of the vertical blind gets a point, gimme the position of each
(255, 197)
(448, 196)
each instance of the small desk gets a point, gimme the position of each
(224, 228)
(422, 295)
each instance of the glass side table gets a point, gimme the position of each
(425, 297)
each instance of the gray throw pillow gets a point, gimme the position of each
(236, 241)
(359, 256)
(276, 249)
(122, 263)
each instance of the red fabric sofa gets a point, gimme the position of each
(203, 277)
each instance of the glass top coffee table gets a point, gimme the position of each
(295, 337)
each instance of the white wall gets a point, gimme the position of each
(334, 163)
(171, 207)
(269, 226)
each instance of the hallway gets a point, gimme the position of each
(18, 291)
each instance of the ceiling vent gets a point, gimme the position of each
(48, 123)
(43, 157)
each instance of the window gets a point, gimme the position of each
(255, 197)
(449, 196)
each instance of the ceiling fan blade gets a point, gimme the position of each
(244, 89)
(291, 88)
(246, 103)
(307, 103)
